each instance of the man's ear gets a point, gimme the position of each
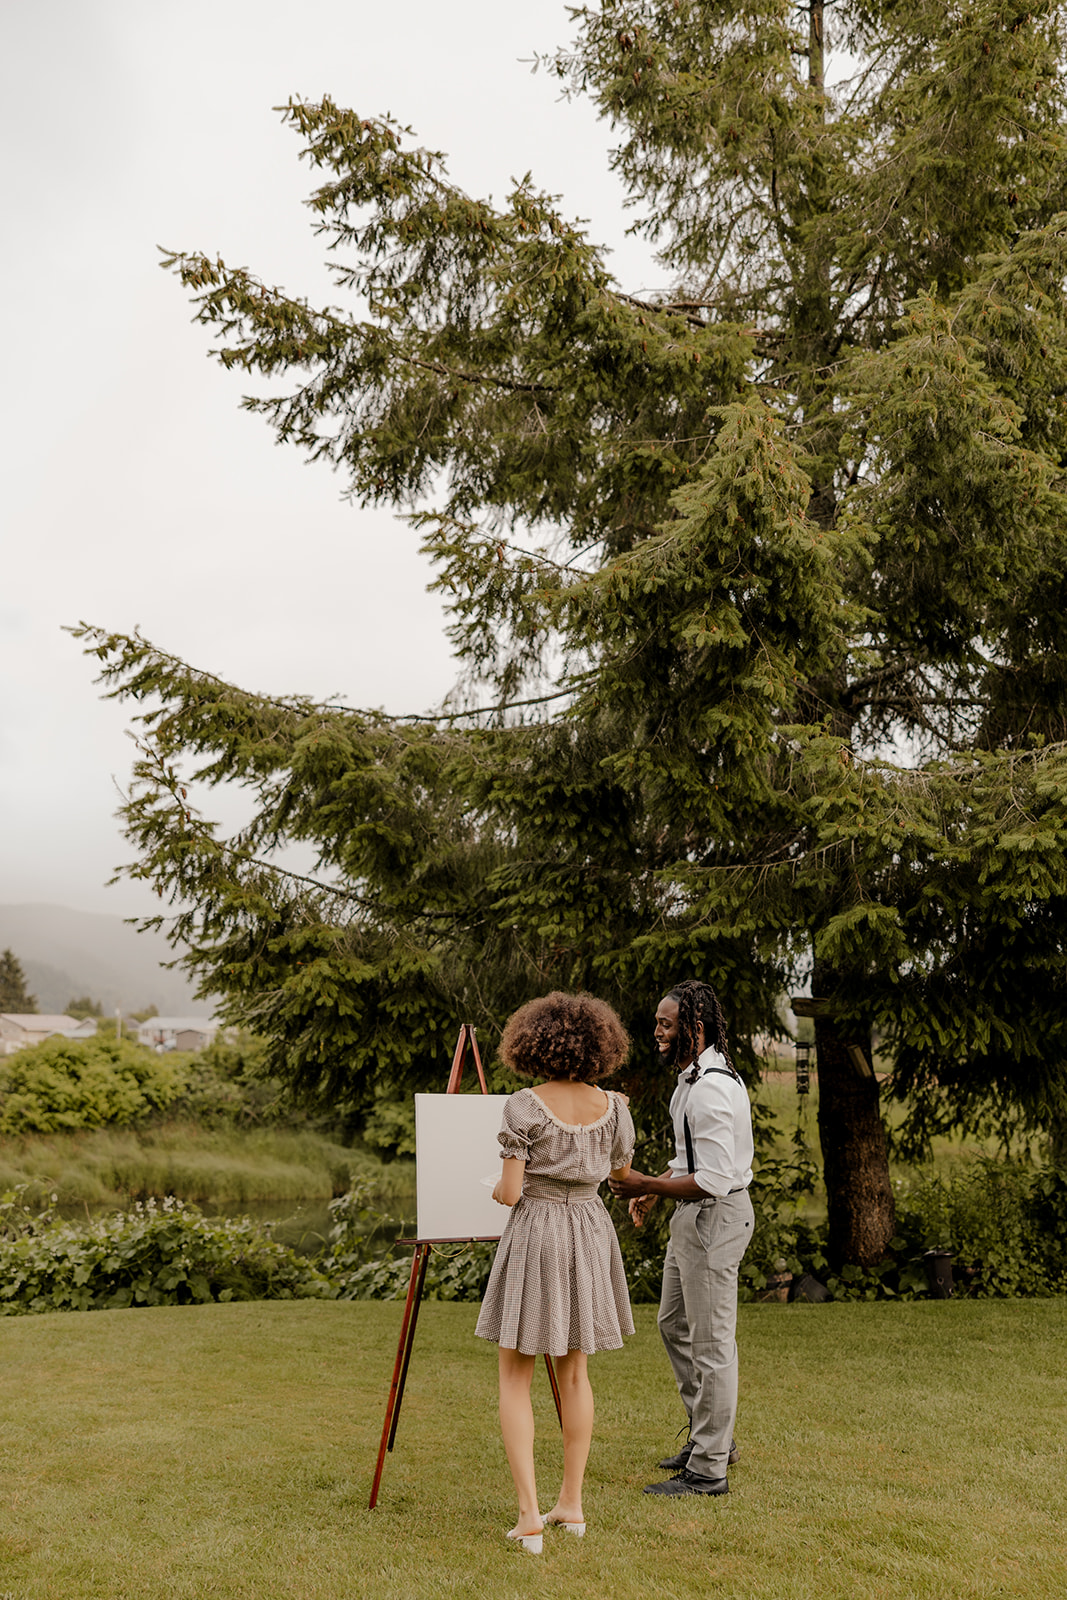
(701, 1046)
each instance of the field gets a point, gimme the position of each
(889, 1451)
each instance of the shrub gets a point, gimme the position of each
(1005, 1223)
(362, 1264)
(226, 1084)
(155, 1255)
(83, 1083)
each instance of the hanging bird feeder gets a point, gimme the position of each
(804, 1051)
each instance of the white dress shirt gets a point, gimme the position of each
(720, 1125)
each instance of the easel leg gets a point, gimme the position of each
(400, 1367)
(411, 1340)
(554, 1387)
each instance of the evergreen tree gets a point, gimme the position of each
(14, 996)
(85, 1006)
(761, 580)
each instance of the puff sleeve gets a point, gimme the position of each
(623, 1138)
(517, 1128)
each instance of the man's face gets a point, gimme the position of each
(667, 1030)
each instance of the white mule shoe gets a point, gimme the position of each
(577, 1528)
(533, 1543)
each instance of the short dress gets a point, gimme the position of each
(558, 1283)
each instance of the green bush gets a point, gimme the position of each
(362, 1264)
(1005, 1223)
(154, 1255)
(226, 1084)
(68, 1084)
(84, 1083)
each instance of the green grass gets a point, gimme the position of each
(221, 1167)
(888, 1451)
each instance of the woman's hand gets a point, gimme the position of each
(639, 1208)
(508, 1191)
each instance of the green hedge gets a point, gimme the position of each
(84, 1083)
(163, 1254)
(65, 1084)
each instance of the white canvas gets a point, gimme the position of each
(456, 1150)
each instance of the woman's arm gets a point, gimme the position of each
(509, 1189)
(621, 1172)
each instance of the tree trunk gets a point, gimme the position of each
(859, 1195)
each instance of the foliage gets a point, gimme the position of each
(227, 1083)
(85, 1006)
(362, 1267)
(90, 1083)
(155, 1255)
(1004, 1221)
(83, 1083)
(717, 557)
(14, 996)
(780, 1185)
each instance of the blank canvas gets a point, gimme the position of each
(456, 1148)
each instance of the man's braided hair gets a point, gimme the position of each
(698, 1002)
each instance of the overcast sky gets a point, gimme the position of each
(135, 490)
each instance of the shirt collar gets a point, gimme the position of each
(707, 1058)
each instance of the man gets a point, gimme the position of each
(710, 1230)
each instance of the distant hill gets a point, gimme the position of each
(66, 954)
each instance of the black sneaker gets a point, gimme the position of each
(686, 1482)
(676, 1463)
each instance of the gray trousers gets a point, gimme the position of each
(698, 1319)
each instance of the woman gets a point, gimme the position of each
(557, 1285)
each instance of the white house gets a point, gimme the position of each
(177, 1033)
(21, 1028)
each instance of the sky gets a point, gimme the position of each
(135, 492)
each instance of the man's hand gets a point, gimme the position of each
(633, 1186)
(639, 1208)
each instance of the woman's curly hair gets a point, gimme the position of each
(565, 1036)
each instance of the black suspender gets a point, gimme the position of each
(689, 1156)
(690, 1160)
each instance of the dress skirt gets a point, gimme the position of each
(557, 1283)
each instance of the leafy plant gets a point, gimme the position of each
(83, 1083)
(155, 1255)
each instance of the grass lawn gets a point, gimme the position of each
(888, 1451)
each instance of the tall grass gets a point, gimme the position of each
(222, 1166)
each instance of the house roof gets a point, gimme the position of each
(177, 1025)
(39, 1022)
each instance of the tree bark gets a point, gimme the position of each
(859, 1194)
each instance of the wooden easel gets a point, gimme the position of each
(419, 1262)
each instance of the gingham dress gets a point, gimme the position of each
(557, 1283)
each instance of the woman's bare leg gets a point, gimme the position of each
(517, 1426)
(576, 1404)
